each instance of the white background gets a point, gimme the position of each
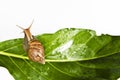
(103, 16)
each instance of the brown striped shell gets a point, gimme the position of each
(36, 51)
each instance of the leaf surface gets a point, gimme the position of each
(70, 54)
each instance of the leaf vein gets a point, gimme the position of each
(60, 70)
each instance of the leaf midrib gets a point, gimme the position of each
(48, 60)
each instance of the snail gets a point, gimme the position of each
(32, 46)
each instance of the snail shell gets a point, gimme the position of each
(33, 47)
(36, 51)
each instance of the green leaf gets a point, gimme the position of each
(70, 54)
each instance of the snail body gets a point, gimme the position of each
(33, 47)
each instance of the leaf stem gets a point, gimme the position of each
(46, 60)
(13, 55)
